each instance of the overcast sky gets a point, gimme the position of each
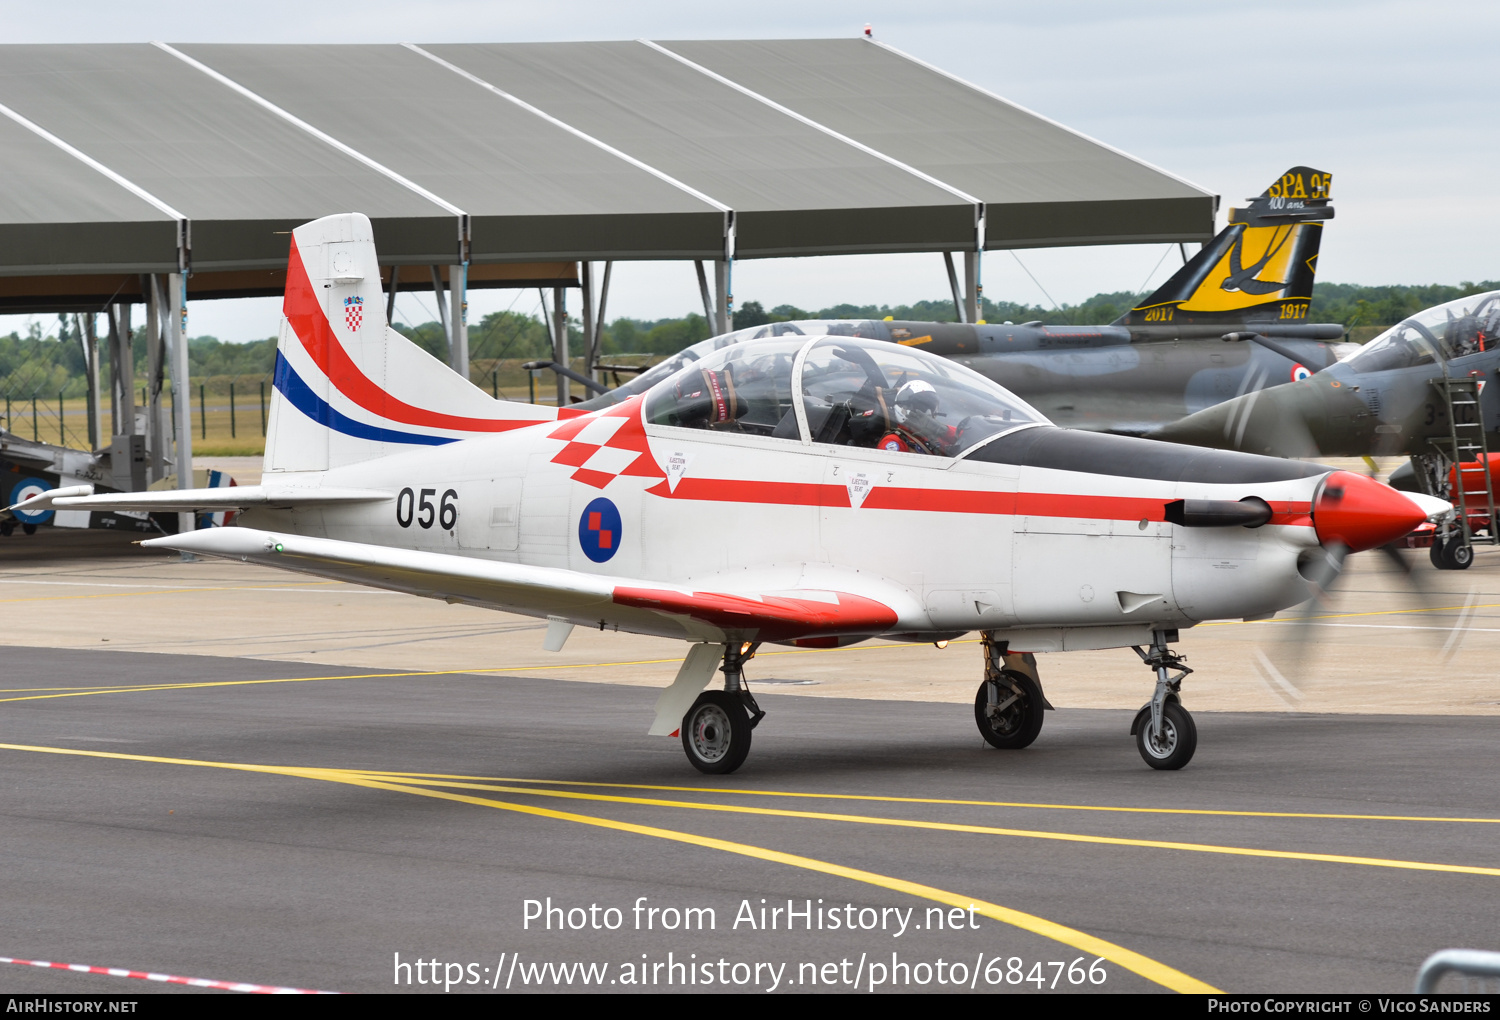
(1399, 101)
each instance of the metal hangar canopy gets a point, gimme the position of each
(520, 159)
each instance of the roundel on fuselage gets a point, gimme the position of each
(25, 489)
(599, 530)
(1300, 372)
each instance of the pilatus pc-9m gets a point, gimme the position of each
(750, 498)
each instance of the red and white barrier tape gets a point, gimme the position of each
(171, 979)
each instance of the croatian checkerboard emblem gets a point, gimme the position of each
(599, 530)
(354, 312)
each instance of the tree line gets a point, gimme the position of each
(49, 362)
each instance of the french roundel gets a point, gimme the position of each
(1300, 372)
(25, 489)
(599, 530)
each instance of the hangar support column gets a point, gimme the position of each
(158, 433)
(85, 326)
(458, 303)
(121, 371)
(176, 323)
(458, 319)
(560, 344)
(590, 351)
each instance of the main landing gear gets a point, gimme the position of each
(1009, 703)
(1164, 731)
(716, 730)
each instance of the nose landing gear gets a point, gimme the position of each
(1164, 732)
(716, 729)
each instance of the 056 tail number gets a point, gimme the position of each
(417, 505)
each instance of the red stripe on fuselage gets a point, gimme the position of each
(958, 501)
(303, 308)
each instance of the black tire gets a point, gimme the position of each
(1180, 737)
(1016, 725)
(29, 529)
(716, 733)
(1453, 554)
(1460, 556)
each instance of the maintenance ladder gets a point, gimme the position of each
(1470, 453)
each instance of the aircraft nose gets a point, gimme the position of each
(1362, 513)
(1273, 421)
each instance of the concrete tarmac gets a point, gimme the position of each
(218, 771)
(242, 820)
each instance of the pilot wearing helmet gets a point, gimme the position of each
(916, 425)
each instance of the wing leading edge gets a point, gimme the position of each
(644, 607)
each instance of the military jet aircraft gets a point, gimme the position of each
(1151, 366)
(1417, 389)
(29, 467)
(752, 497)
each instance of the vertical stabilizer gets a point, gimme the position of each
(348, 388)
(1258, 270)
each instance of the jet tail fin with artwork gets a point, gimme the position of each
(1257, 272)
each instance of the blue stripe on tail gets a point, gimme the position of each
(301, 396)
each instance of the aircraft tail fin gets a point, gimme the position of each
(348, 388)
(1260, 267)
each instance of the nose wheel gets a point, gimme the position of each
(1173, 747)
(1164, 732)
(1451, 553)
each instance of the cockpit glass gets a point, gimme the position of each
(746, 388)
(702, 349)
(883, 396)
(1452, 330)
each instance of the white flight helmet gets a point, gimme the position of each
(916, 395)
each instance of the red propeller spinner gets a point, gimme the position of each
(1361, 513)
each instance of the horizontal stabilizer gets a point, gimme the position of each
(232, 497)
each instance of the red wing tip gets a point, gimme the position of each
(675, 733)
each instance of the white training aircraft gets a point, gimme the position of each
(814, 491)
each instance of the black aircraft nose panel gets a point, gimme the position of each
(1098, 453)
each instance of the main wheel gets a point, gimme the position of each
(1179, 737)
(1453, 554)
(1017, 719)
(716, 733)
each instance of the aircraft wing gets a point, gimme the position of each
(648, 607)
(232, 497)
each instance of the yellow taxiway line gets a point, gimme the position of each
(939, 800)
(1152, 970)
(984, 830)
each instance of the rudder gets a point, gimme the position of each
(348, 388)
(1260, 267)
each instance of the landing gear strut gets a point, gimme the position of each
(1009, 704)
(1164, 732)
(716, 730)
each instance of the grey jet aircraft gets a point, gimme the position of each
(1419, 389)
(1154, 364)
